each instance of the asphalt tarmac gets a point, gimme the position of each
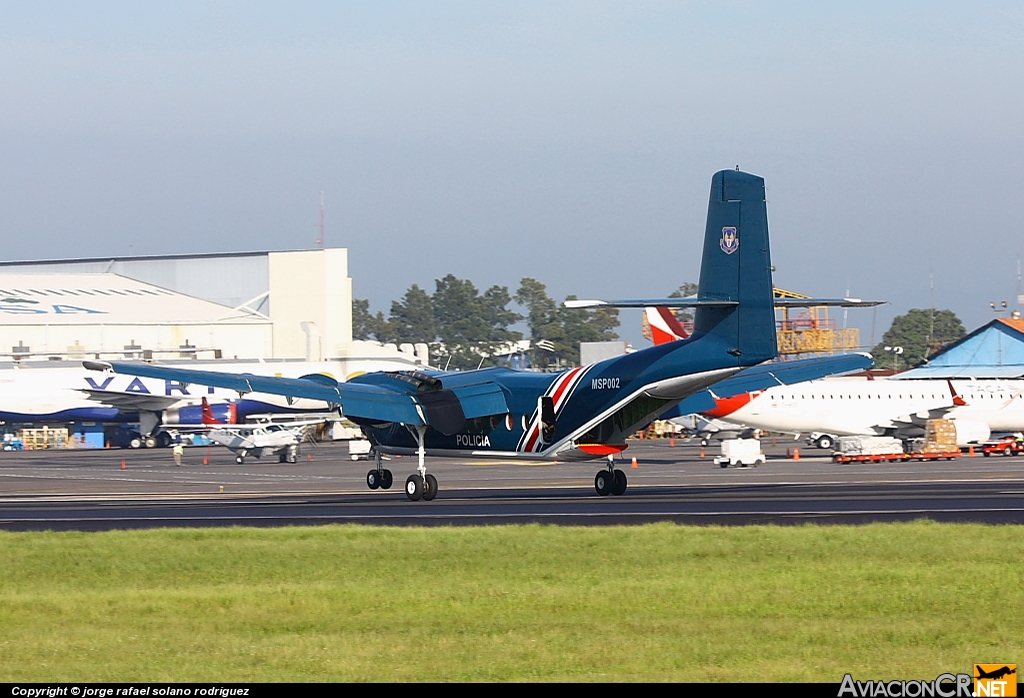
(90, 490)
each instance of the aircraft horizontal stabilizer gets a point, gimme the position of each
(694, 303)
(644, 302)
(820, 302)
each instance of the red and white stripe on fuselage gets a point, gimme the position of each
(665, 327)
(559, 392)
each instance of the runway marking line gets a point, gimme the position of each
(521, 515)
(711, 487)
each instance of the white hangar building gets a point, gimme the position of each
(249, 305)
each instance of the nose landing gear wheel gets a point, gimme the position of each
(414, 487)
(619, 485)
(373, 479)
(240, 460)
(386, 480)
(429, 487)
(603, 483)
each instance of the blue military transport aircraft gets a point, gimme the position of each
(583, 413)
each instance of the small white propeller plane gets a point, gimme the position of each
(255, 440)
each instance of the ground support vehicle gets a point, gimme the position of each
(891, 457)
(1006, 447)
(885, 449)
(741, 452)
(821, 440)
(358, 448)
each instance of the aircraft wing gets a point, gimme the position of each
(443, 409)
(769, 375)
(694, 303)
(131, 401)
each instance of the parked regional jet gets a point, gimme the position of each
(579, 414)
(850, 406)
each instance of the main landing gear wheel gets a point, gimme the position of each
(619, 484)
(429, 487)
(824, 442)
(379, 478)
(604, 481)
(414, 487)
(373, 479)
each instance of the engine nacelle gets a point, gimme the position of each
(971, 431)
(223, 412)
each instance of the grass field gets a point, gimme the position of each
(659, 602)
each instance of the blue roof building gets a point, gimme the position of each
(995, 350)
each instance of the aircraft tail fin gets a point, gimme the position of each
(664, 325)
(208, 417)
(736, 269)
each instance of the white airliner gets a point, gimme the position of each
(41, 394)
(833, 407)
(850, 406)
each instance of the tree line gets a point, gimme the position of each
(464, 327)
(920, 333)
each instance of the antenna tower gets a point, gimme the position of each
(320, 224)
(1020, 293)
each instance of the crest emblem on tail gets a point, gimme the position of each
(730, 243)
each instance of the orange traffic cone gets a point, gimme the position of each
(124, 464)
(970, 451)
(701, 451)
(206, 460)
(634, 464)
(309, 457)
(672, 441)
(796, 454)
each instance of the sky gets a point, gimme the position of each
(572, 142)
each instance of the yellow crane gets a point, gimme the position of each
(811, 331)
